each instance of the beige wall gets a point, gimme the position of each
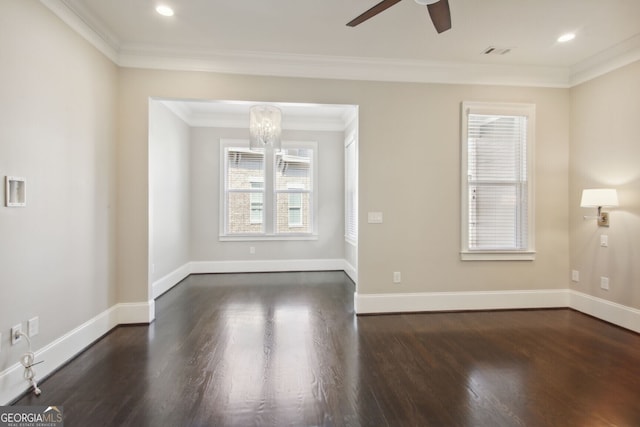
(605, 152)
(404, 128)
(57, 129)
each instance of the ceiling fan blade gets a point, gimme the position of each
(440, 15)
(380, 7)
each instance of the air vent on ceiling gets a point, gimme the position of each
(493, 50)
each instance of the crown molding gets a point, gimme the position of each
(618, 56)
(344, 68)
(106, 45)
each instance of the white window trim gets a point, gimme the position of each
(528, 110)
(269, 224)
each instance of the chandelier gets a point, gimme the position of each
(265, 127)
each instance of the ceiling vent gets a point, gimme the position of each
(493, 50)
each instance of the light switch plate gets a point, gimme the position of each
(33, 326)
(604, 240)
(374, 217)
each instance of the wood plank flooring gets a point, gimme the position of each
(285, 349)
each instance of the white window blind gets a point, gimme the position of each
(351, 191)
(496, 188)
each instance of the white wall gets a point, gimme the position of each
(205, 196)
(605, 153)
(57, 129)
(169, 191)
(351, 248)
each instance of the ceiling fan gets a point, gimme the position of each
(438, 11)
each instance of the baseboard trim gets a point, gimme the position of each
(203, 267)
(60, 351)
(168, 281)
(452, 301)
(139, 312)
(618, 314)
(351, 271)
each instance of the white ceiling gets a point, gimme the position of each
(310, 38)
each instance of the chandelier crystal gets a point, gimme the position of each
(265, 127)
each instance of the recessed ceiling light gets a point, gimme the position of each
(566, 37)
(164, 10)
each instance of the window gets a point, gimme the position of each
(256, 200)
(351, 191)
(244, 172)
(293, 185)
(267, 194)
(497, 185)
(295, 206)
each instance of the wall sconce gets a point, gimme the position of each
(599, 198)
(265, 127)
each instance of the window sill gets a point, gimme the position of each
(263, 238)
(497, 256)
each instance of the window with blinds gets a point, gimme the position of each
(265, 193)
(293, 188)
(497, 198)
(351, 191)
(244, 175)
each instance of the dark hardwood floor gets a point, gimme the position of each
(285, 349)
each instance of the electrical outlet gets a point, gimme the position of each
(604, 283)
(575, 276)
(33, 326)
(397, 277)
(15, 334)
(252, 250)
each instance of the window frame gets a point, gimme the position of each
(506, 109)
(269, 195)
(351, 189)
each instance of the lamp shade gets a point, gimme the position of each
(598, 197)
